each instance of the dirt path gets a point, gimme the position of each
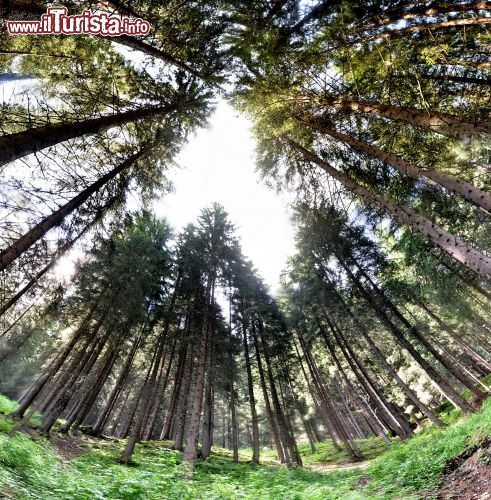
(69, 447)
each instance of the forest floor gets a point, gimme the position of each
(468, 476)
(450, 463)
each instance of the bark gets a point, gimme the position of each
(396, 421)
(177, 385)
(465, 80)
(115, 419)
(94, 385)
(355, 426)
(379, 356)
(162, 386)
(233, 416)
(287, 404)
(469, 192)
(183, 402)
(52, 263)
(288, 447)
(37, 232)
(20, 144)
(134, 430)
(315, 393)
(454, 370)
(267, 402)
(464, 21)
(317, 12)
(450, 393)
(441, 123)
(125, 429)
(150, 380)
(252, 400)
(454, 246)
(298, 408)
(136, 44)
(80, 379)
(464, 346)
(432, 9)
(207, 431)
(57, 363)
(332, 412)
(272, 12)
(118, 387)
(190, 451)
(372, 420)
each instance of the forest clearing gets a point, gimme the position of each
(143, 355)
(430, 465)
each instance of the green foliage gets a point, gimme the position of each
(27, 467)
(418, 463)
(327, 454)
(30, 468)
(7, 405)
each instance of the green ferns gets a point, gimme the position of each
(31, 468)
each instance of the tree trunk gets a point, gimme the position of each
(150, 380)
(372, 420)
(453, 369)
(463, 21)
(473, 354)
(252, 400)
(441, 123)
(450, 393)
(161, 387)
(190, 451)
(288, 447)
(208, 424)
(55, 365)
(269, 410)
(336, 422)
(469, 192)
(178, 381)
(20, 144)
(118, 386)
(379, 356)
(183, 401)
(458, 249)
(402, 427)
(315, 393)
(95, 383)
(53, 261)
(233, 412)
(37, 232)
(403, 13)
(136, 44)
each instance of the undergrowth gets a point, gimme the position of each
(30, 467)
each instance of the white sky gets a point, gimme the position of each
(217, 165)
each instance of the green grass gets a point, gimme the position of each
(328, 455)
(31, 468)
(418, 463)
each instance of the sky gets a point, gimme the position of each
(217, 165)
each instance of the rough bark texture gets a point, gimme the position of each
(252, 399)
(435, 121)
(454, 246)
(20, 144)
(39, 230)
(471, 193)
